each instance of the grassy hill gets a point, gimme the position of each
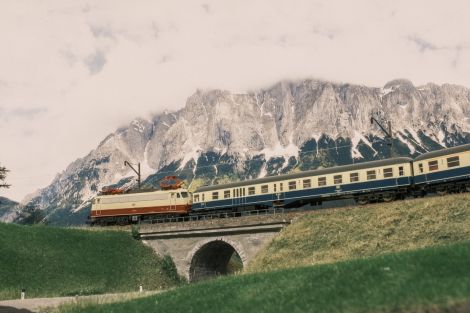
(340, 234)
(50, 261)
(425, 280)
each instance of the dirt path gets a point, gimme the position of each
(47, 304)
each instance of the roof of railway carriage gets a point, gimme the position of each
(317, 172)
(445, 151)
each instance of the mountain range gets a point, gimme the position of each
(220, 136)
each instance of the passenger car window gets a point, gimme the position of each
(264, 189)
(215, 195)
(292, 185)
(307, 183)
(251, 191)
(420, 167)
(196, 198)
(433, 165)
(388, 172)
(338, 179)
(354, 177)
(453, 161)
(321, 181)
(401, 171)
(226, 194)
(371, 175)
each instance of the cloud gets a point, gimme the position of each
(94, 66)
(422, 44)
(18, 115)
(101, 31)
(28, 112)
(95, 62)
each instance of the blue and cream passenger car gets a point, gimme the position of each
(376, 180)
(443, 170)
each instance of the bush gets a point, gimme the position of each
(135, 230)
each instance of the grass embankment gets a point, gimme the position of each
(50, 261)
(341, 234)
(423, 280)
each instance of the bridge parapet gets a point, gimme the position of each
(219, 222)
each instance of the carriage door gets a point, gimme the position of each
(242, 196)
(278, 196)
(172, 201)
(235, 197)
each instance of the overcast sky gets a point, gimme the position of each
(71, 72)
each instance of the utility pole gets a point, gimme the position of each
(386, 130)
(136, 171)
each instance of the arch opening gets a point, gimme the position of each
(214, 259)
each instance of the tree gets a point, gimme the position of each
(3, 175)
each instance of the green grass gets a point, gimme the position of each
(425, 279)
(50, 261)
(341, 234)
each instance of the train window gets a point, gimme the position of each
(184, 194)
(251, 191)
(203, 198)
(264, 189)
(321, 181)
(196, 198)
(307, 183)
(371, 175)
(281, 186)
(354, 177)
(420, 166)
(401, 171)
(453, 161)
(275, 187)
(226, 194)
(433, 165)
(338, 179)
(388, 172)
(235, 193)
(292, 185)
(215, 195)
(178, 195)
(243, 192)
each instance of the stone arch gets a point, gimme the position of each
(210, 257)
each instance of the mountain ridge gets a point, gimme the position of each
(294, 125)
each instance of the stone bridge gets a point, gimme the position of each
(201, 249)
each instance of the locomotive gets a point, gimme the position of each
(441, 171)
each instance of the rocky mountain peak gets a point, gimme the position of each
(292, 125)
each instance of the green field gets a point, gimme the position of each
(50, 261)
(350, 233)
(424, 280)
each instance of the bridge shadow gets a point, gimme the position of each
(214, 259)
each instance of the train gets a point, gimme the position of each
(442, 171)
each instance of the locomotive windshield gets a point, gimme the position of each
(184, 194)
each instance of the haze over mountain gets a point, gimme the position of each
(294, 125)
